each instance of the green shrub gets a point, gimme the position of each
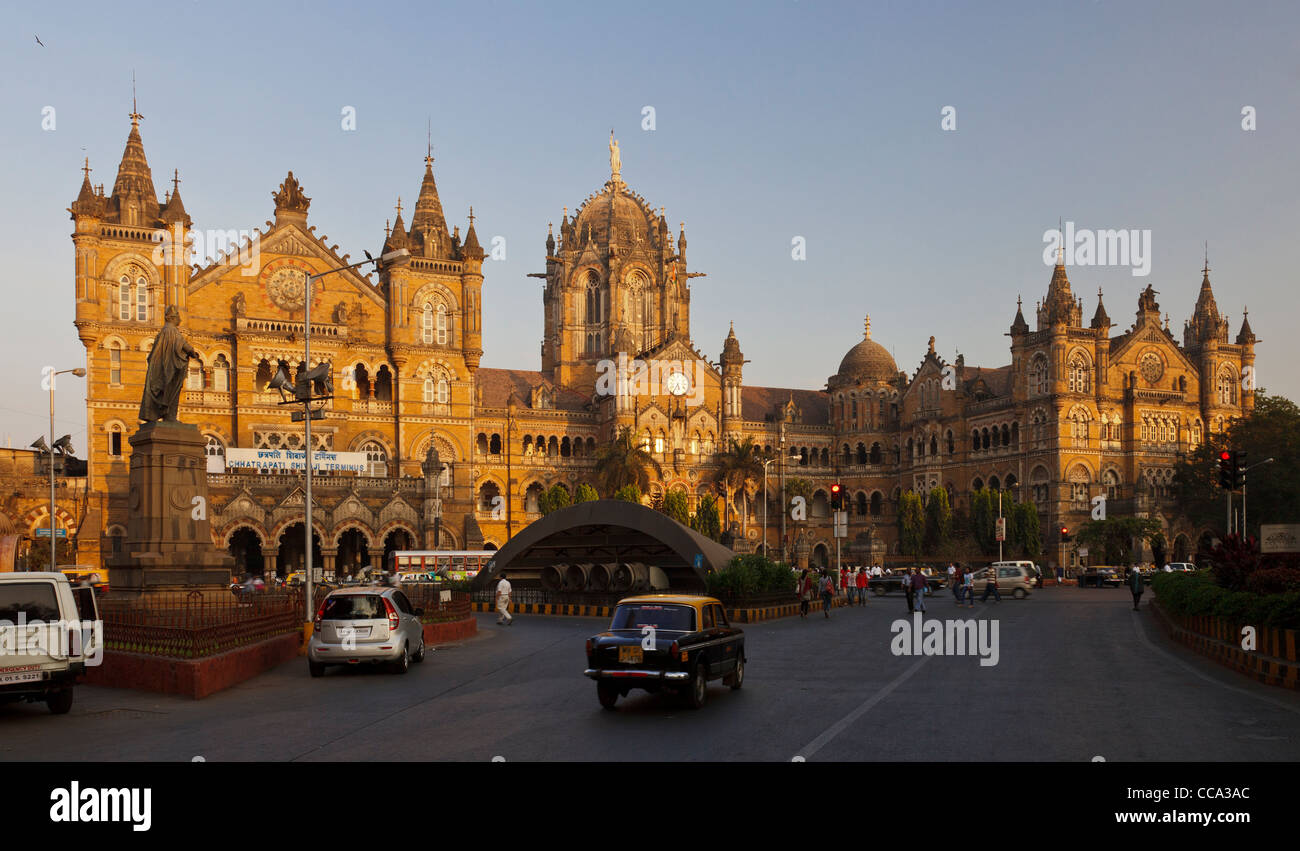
(1191, 594)
(749, 575)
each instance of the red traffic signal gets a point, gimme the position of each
(1227, 470)
(1065, 534)
(835, 496)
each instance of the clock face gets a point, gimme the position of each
(1152, 367)
(678, 384)
(285, 283)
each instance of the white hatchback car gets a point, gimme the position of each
(372, 624)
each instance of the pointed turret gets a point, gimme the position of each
(1060, 306)
(1019, 327)
(731, 353)
(471, 249)
(88, 202)
(134, 199)
(550, 241)
(1206, 324)
(1099, 318)
(428, 208)
(174, 211)
(681, 242)
(397, 237)
(1245, 337)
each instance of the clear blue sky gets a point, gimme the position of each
(773, 120)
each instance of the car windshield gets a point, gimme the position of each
(34, 600)
(657, 615)
(354, 607)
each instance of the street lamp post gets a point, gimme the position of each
(80, 373)
(306, 402)
(765, 463)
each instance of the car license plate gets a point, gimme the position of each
(20, 676)
(630, 654)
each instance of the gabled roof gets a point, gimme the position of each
(498, 384)
(756, 403)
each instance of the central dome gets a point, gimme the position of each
(615, 214)
(868, 361)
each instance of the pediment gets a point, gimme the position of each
(1127, 353)
(254, 261)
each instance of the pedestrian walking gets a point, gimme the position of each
(828, 591)
(958, 582)
(907, 587)
(863, 572)
(1060, 575)
(805, 592)
(991, 586)
(968, 589)
(844, 581)
(503, 601)
(952, 572)
(1135, 585)
(919, 586)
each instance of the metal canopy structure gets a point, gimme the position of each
(608, 531)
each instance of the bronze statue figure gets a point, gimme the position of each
(169, 363)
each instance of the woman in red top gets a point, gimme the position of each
(862, 586)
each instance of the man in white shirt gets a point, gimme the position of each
(503, 601)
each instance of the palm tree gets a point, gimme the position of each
(622, 463)
(739, 469)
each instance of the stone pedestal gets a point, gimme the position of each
(168, 546)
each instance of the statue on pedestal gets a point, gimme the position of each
(169, 363)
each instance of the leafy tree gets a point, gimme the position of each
(676, 506)
(938, 521)
(554, 499)
(629, 493)
(1028, 534)
(739, 468)
(1115, 537)
(586, 493)
(1272, 431)
(982, 521)
(38, 555)
(623, 462)
(705, 520)
(911, 523)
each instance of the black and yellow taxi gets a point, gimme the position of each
(666, 642)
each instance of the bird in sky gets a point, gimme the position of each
(38, 41)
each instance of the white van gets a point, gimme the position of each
(1017, 578)
(47, 635)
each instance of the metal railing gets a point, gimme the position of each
(189, 626)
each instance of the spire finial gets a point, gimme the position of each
(176, 180)
(428, 157)
(388, 228)
(866, 327)
(1060, 248)
(399, 205)
(471, 215)
(1018, 305)
(86, 168)
(135, 112)
(1206, 269)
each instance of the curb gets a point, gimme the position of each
(1270, 670)
(754, 615)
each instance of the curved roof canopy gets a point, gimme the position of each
(609, 530)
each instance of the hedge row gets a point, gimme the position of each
(748, 575)
(1187, 594)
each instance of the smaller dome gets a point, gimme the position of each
(868, 360)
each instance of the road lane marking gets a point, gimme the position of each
(839, 726)
(1143, 638)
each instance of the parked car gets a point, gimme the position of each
(1016, 578)
(882, 585)
(50, 663)
(666, 642)
(369, 625)
(1180, 567)
(1101, 577)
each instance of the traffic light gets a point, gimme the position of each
(1226, 472)
(836, 497)
(1238, 469)
(1065, 535)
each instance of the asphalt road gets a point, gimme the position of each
(1079, 676)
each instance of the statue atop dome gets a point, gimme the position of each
(615, 159)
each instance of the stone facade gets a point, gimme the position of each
(1078, 412)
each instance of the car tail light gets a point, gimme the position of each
(392, 615)
(588, 646)
(320, 613)
(674, 651)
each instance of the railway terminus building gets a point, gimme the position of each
(1083, 408)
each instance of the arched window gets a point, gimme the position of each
(133, 296)
(1038, 485)
(1110, 481)
(263, 376)
(115, 362)
(441, 326)
(115, 441)
(494, 446)
(877, 504)
(430, 391)
(221, 374)
(1038, 374)
(1227, 388)
(489, 497)
(1080, 481)
(426, 323)
(141, 300)
(1077, 373)
(194, 376)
